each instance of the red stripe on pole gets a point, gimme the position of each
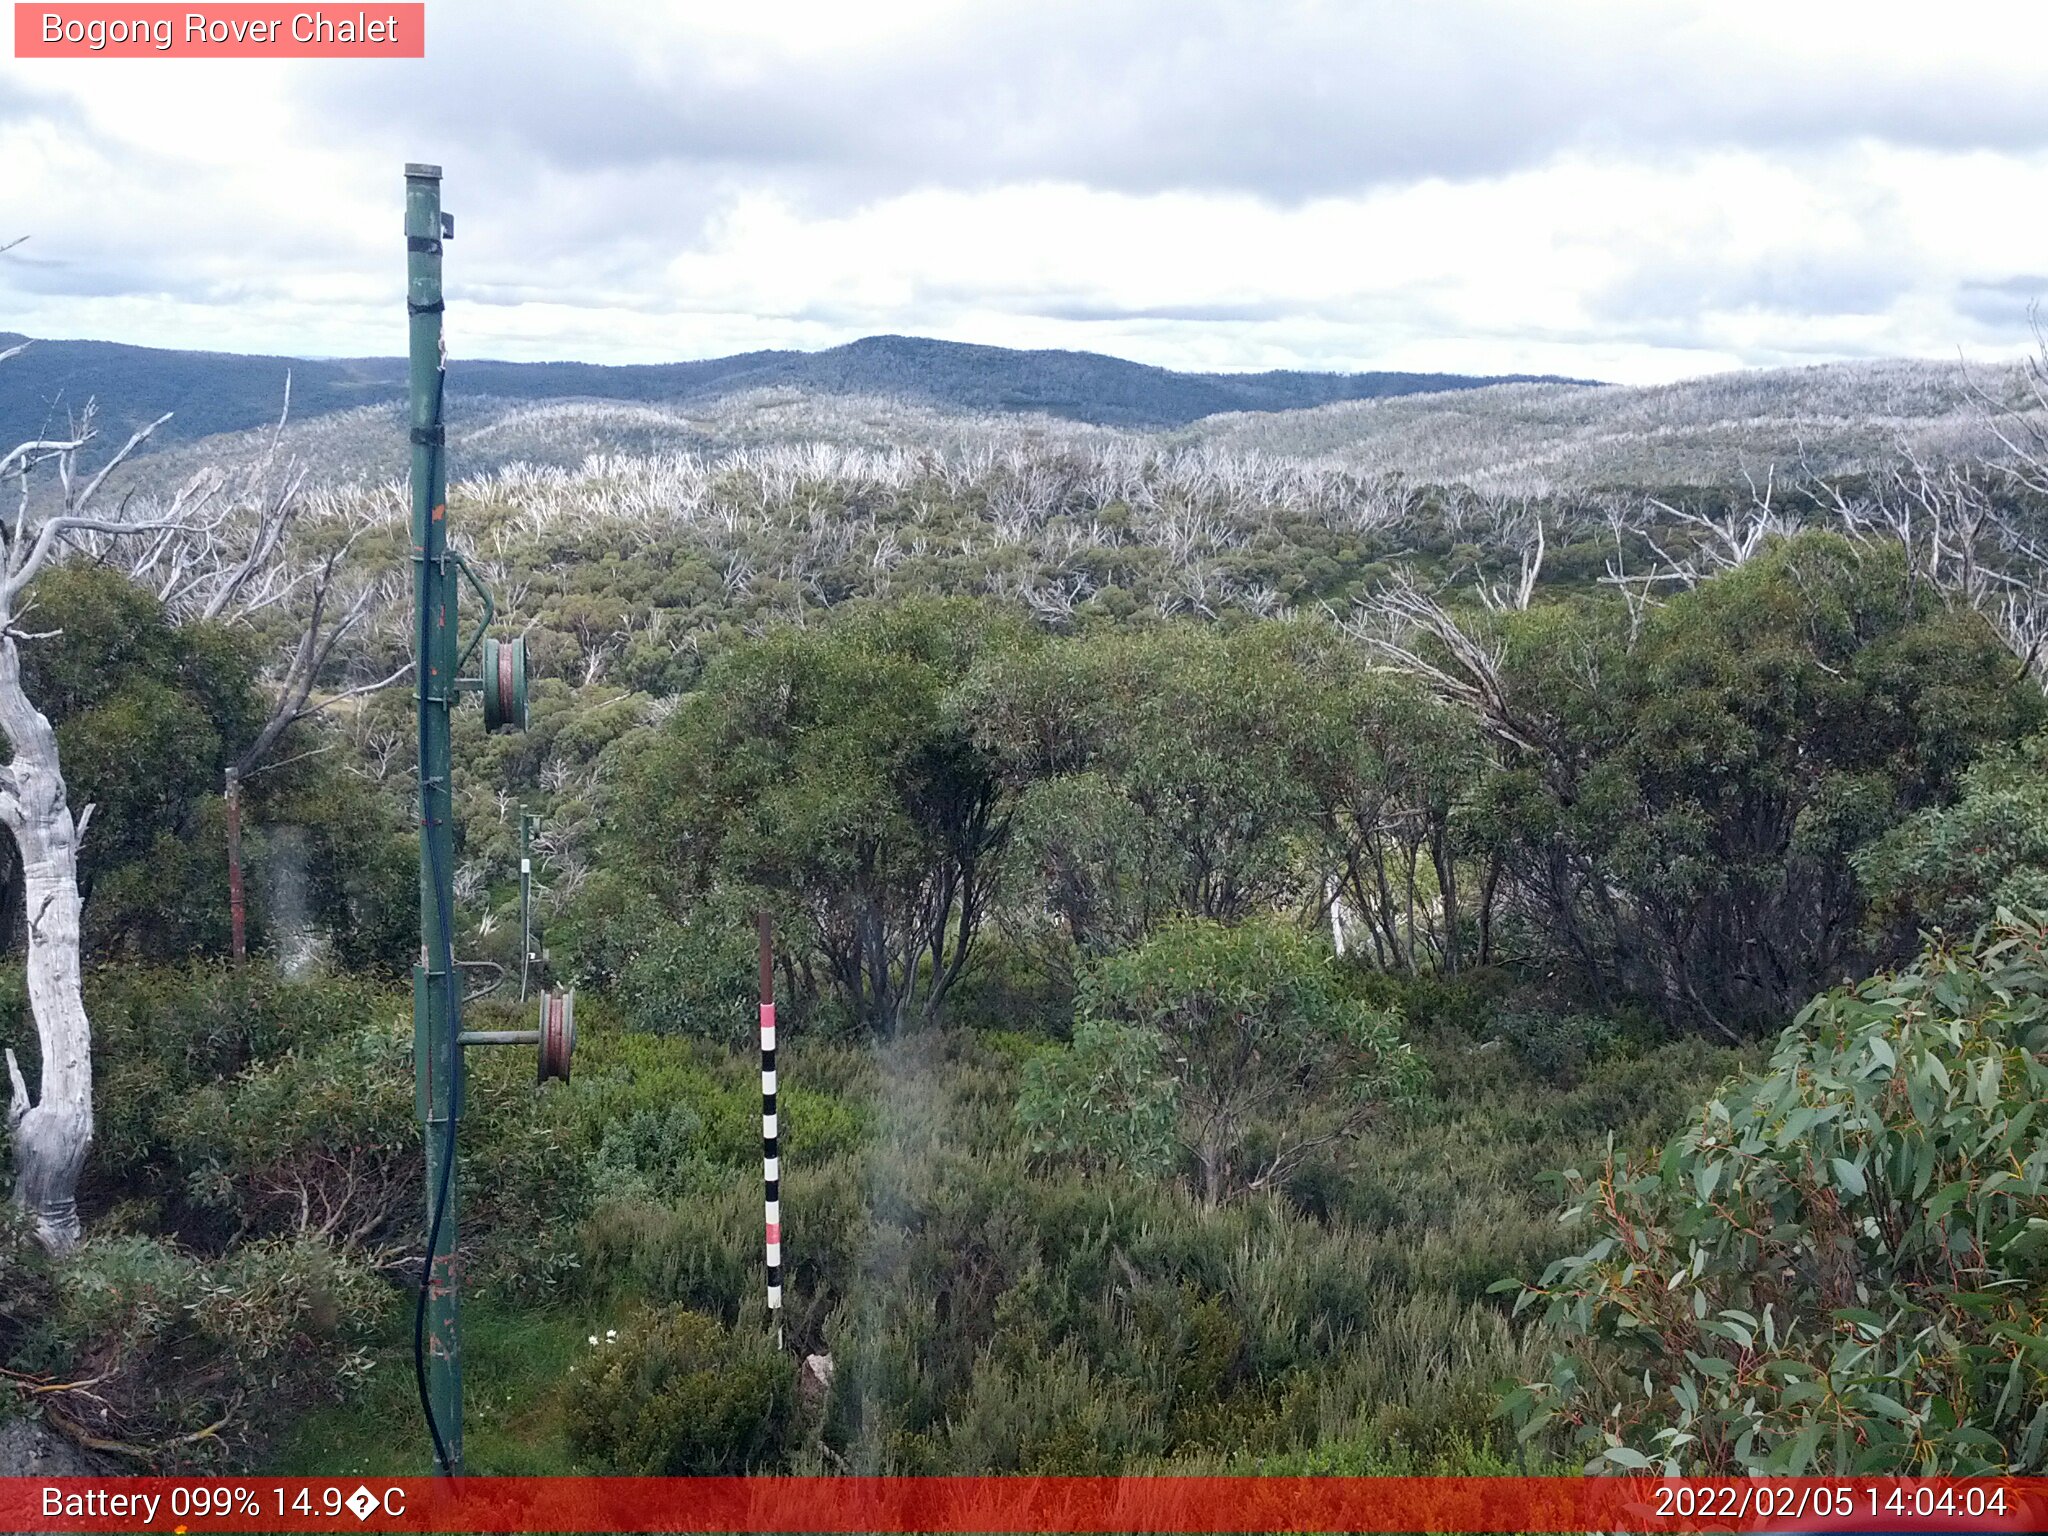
(774, 1231)
(1025, 1504)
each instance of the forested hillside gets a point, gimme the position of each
(1229, 903)
(1512, 439)
(213, 392)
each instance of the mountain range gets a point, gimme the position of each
(214, 392)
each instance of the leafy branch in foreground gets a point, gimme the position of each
(1841, 1265)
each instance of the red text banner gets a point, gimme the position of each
(185, 1507)
(234, 31)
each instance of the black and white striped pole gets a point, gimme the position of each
(771, 1158)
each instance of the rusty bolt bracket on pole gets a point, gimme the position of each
(440, 656)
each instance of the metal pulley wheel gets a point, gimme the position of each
(504, 683)
(557, 1033)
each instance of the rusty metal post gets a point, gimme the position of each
(238, 907)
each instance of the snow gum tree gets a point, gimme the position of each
(53, 1129)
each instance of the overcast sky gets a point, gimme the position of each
(1632, 191)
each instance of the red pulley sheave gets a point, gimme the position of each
(557, 1034)
(504, 684)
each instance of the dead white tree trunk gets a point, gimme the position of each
(51, 1133)
(53, 1130)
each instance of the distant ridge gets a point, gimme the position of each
(213, 392)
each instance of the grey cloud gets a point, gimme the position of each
(1865, 283)
(22, 103)
(1407, 305)
(2004, 308)
(74, 254)
(593, 155)
(1213, 314)
(70, 279)
(1282, 99)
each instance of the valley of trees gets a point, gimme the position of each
(1228, 908)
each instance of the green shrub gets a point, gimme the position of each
(1558, 1047)
(649, 1153)
(1057, 1414)
(187, 1361)
(1951, 867)
(321, 1140)
(261, 1108)
(704, 1252)
(1839, 1265)
(1106, 1101)
(672, 1113)
(162, 1035)
(27, 1294)
(1432, 1003)
(1238, 1043)
(1028, 990)
(525, 1182)
(697, 976)
(678, 1395)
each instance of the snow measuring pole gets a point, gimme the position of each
(771, 1143)
(438, 1036)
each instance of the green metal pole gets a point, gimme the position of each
(437, 1057)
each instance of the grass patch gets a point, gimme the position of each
(516, 1370)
